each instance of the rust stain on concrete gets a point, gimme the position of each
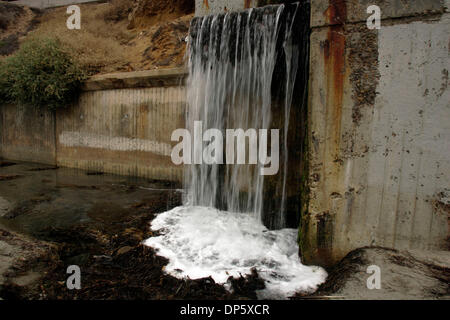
(142, 121)
(336, 12)
(334, 58)
(206, 4)
(247, 4)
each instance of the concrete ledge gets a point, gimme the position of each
(332, 12)
(46, 4)
(138, 79)
(207, 7)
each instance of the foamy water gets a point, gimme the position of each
(201, 242)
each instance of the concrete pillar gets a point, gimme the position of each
(378, 129)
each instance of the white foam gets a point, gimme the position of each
(201, 242)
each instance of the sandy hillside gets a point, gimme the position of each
(118, 35)
(15, 22)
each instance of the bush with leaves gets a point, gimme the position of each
(40, 74)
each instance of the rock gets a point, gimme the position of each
(6, 259)
(6, 249)
(103, 258)
(78, 260)
(150, 8)
(26, 279)
(404, 275)
(16, 251)
(124, 250)
(5, 207)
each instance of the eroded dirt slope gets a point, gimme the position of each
(118, 35)
(15, 22)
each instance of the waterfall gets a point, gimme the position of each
(248, 70)
(233, 61)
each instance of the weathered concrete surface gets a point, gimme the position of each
(379, 135)
(125, 129)
(137, 79)
(27, 134)
(415, 275)
(206, 7)
(356, 11)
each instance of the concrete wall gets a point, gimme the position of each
(379, 129)
(27, 134)
(122, 124)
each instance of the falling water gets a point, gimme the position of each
(232, 60)
(243, 75)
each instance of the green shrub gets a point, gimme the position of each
(40, 74)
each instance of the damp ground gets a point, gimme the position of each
(51, 218)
